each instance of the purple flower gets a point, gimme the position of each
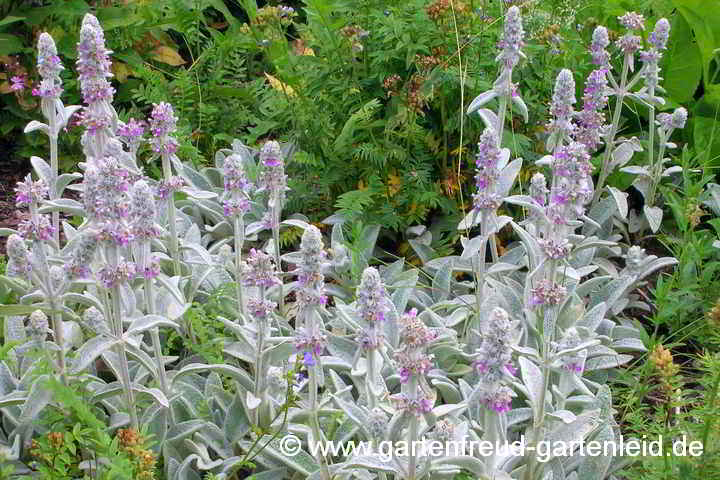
(273, 178)
(498, 399)
(308, 359)
(19, 264)
(561, 107)
(629, 43)
(547, 293)
(234, 175)
(632, 21)
(495, 351)
(142, 212)
(309, 271)
(105, 188)
(591, 119)
(598, 47)
(165, 188)
(572, 187)
(260, 308)
(49, 67)
(82, 256)
(538, 189)
(487, 162)
(679, 117)
(372, 298)
(416, 406)
(17, 83)
(658, 38)
(111, 277)
(29, 192)
(512, 40)
(259, 270)
(93, 64)
(38, 227)
(163, 123)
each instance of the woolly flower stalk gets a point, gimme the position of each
(373, 305)
(93, 66)
(311, 293)
(487, 172)
(651, 57)
(512, 40)
(538, 189)
(561, 108)
(309, 271)
(572, 185)
(598, 47)
(162, 124)
(235, 201)
(413, 364)
(143, 211)
(591, 119)
(81, 257)
(671, 121)
(19, 264)
(493, 363)
(273, 178)
(105, 187)
(547, 293)
(259, 270)
(49, 67)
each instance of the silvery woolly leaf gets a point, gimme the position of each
(199, 194)
(489, 118)
(576, 431)
(183, 430)
(148, 322)
(472, 247)
(92, 349)
(236, 424)
(302, 462)
(620, 201)
(43, 170)
(671, 170)
(520, 104)
(533, 379)
(67, 205)
(465, 462)
(525, 201)
(65, 114)
(623, 153)
(654, 217)
(604, 362)
(37, 398)
(470, 220)
(375, 463)
(508, 175)
(158, 395)
(35, 125)
(636, 170)
(293, 222)
(481, 100)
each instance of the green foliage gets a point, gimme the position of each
(76, 434)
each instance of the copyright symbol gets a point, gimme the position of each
(290, 445)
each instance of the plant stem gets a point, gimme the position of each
(412, 429)
(167, 173)
(610, 139)
(120, 350)
(155, 336)
(313, 396)
(59, 339)
(239, 227)
(276, 241)
(53, 138)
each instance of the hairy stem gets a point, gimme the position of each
(239, 228)
(167, 173)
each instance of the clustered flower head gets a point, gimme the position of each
(561, 107)
(37, 227)
(259, 270)
(105, 187)
(573, 362)
(635, 258)
(672, 121)
(591, 119)
(312, 346)
(163, 123)
(416, 406)
(38, 325)
(142, 211)
(93, 66)
(273, 163)
(487, 162)
(18, 83)
(30, 192)
(260, 308)
(49, 67)
(632, 21)
(165, 188)
(512, 40)
(572, 186)
(236, 184)
(538, 189)
(131, 132)
(78, 265)
(372, 298)
(415, 336)
(111, 277)
(309, 271)
(95, 320)
(494, 362)
(19, 264)
(598, 47)
(651, 57)
(547, 293)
